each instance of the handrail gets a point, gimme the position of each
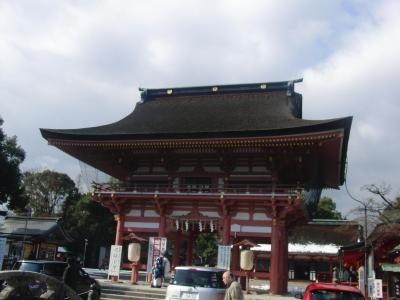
(242, 189)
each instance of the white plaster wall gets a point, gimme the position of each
(141, 225)
(261, 217)
(242, 216)
(134, 213)
(210, 214)
(151, 213)
(179, 213)
(250, 229)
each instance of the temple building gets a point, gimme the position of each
(382, 252)
(229, 159)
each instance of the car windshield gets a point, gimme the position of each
(334, 295)
(27, 266)
(193, 277)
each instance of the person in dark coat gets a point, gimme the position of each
(71, 273)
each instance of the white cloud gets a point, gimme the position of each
(69, 64)
(369, 132)
(360, 78)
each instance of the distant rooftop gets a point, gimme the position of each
(17, 227)
(303, 248)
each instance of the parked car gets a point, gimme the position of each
(199, 283)
(56, 269)
(331, 291)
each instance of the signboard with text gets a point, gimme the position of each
(157, 245)
(224, 257)
(115, 260)
(371, 286)
(378, 288)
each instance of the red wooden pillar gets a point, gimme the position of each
(162, 232)
(175, 258)
(284, 262)
(120, 218)
(279, 258)
(226, 232)
(134, 272)
(189, 250)
(235, 259)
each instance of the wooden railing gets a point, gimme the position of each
(249, 189)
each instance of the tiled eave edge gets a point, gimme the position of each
(298, 140)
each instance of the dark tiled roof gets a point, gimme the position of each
(338, 232)
(215, 115)
(35, 227)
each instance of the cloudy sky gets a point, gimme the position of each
(71, 64)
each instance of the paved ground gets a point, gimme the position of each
(258, 288)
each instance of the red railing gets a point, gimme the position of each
(288, 190)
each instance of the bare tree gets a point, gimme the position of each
(381, 208)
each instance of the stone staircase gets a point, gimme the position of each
(136, 292)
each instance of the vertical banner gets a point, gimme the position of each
(115, 260)
(156, 246)
(378, 288)
(371, 287)
(361, 280)
(224, 257)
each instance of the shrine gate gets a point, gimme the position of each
(230, 159)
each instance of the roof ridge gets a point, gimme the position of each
(288, 86)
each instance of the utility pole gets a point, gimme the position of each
(84, 252)
(28, 215)
(365, 233)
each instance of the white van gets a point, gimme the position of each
(196, 283)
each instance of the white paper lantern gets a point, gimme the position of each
(134, 252)
(246, 260)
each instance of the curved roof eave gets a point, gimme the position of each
(106, 132)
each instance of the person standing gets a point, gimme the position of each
(352, 275)
(160, 270)
(233, 288)
(71, 273)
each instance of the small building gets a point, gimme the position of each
(383, 258)
(313, 249)
(306, 261)
(32, 238)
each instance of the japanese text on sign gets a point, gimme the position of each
(157, 245)
(224, 257)
(378, 288)
(115, 260)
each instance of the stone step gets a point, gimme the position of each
(126, 297)
(143, 294)
(114, 291)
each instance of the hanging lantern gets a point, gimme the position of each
(211, 226)
(200, 226)
(177, 224)
(187, 225)
(246, 260)
(134, 252)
